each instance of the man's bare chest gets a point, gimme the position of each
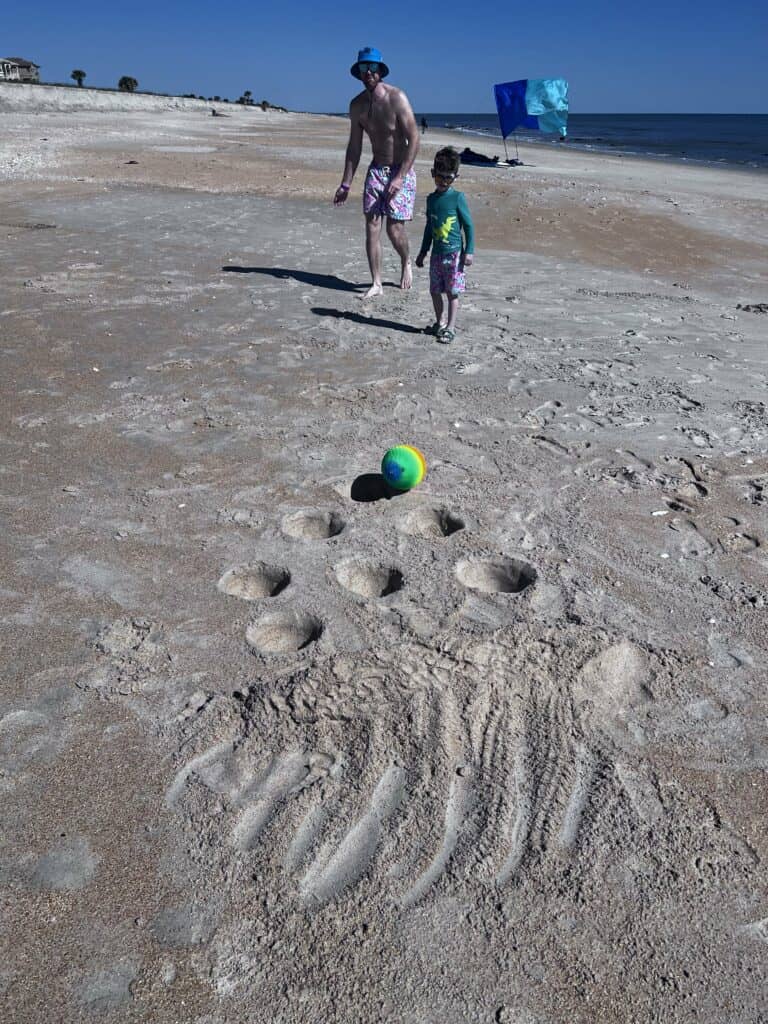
(379, 120)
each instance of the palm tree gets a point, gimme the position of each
(247, 97)
(127, 84)
(78, 76)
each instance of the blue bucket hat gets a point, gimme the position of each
(369, 55)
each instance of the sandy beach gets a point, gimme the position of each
(278, 746)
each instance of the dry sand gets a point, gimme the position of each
(276, 747)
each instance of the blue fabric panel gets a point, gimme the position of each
(511, 105)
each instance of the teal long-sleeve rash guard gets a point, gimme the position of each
(447, 214)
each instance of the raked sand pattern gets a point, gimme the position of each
(279, 745)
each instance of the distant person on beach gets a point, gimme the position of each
(424, 124)
(385, 115)
(447, 217)
(469, 156)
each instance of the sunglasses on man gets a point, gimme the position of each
(365, 67)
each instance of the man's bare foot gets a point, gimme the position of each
(372, 292)
(407, 279)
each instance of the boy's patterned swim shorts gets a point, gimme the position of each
(376, 199)
(445, 273)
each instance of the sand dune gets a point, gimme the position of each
(35, 99)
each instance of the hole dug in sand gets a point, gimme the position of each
(431, 522)
(367, 579)
(251, 582)
(313, 525)
(496, 575)
(283, 632)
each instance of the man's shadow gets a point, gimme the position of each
(367, 321)
(304, 276)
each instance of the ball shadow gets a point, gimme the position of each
(372, 487)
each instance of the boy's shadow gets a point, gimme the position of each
(368, 321)
(304, 276)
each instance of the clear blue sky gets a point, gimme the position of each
(653, 57)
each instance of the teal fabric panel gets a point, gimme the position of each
(543, 95)
(547, 99)
(554, 121)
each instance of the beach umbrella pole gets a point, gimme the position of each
(506, 151)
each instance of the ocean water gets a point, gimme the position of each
(732, 139)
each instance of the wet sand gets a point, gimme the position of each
(278, 746)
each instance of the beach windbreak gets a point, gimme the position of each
(534, 103)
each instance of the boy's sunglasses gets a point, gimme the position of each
(443, 177)
(373, 68)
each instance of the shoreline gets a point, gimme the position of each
(600, 146)
(681, 161)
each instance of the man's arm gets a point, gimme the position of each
(409, 129)
(352, 156)
(407, 124)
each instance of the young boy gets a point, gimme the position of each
(447, 215)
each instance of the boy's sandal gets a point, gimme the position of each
(446, 336)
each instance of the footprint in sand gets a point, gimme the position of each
(758, 491)
(368, 579)
(313, 524)
(431, 523)
(739, 543)
(543, 414)
(134, 649)
(692, 490)
(252, 582)
(692, 543)
(495, 575)
(756, 930)
(284, 632)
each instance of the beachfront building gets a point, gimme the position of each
(16, 69)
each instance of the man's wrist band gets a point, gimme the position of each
(343, 187)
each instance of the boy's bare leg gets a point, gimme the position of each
(453, 309)
(399, 239)
(373, 224)
(437, 302)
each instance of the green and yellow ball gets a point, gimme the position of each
(403, 467)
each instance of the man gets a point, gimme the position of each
(384, 114)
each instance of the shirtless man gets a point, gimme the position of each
(384, 113)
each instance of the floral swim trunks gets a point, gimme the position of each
(376, 199)
(446, 274)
